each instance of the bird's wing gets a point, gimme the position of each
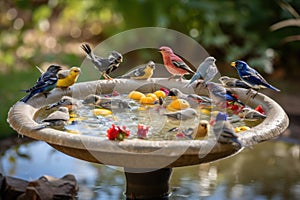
(57, 115)
(136, 72)
(63, 73)
(44, 80)
(210, 73)
(228, 130)
(178, 62)
(252, 76)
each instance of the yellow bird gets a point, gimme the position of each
(202, 130)
(141, 73)
(68, 77)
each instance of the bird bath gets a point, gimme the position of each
(147, 164)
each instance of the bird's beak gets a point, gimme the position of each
(232, 64)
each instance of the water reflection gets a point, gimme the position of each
(270, 170)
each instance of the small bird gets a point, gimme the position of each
(67, 78)
(174, 64)
(233, 82)
(185, 114)
(220, 95)
(141, 73)
(45, 83)
(114, 104)
(197, 133)
(110, 103)
(251, 77)
(251, 114)
(58, 119)
(66, 101)
(202, 129)
(91, 99)
(207, 70)
(224, 131)
(104, 65)
(191, 98)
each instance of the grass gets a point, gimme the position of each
(10, 93)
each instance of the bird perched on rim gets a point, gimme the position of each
(141, 73)
(173, 63)
(66, 101)
(220, 95)
(224, 131)
(185, 114)
(251, 114)
(68, 77)
(251, 77)
(45, 83)
(58, 119)
(191, 98)
(233, 82)
(104, 65)
(207, 70)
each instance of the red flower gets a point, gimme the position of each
(180, 135)
(260, 109)
(117, 132)
(142, 131)
(165, 90)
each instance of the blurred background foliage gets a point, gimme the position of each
(39, 32)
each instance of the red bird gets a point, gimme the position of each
(174, 64)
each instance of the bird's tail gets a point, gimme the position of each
(27, 97)
(87, 49)
(273, 88)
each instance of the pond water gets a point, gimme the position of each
(271, 170)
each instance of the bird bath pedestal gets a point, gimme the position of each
(147, 164)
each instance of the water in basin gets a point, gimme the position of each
(85, 122)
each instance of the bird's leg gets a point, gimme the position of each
(249, 90)
(180, 79)
(106, 76)
(171, 77)
(46, 94)
(253, 96)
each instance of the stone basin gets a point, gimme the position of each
(137, 155)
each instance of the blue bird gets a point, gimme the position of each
(207, 70)
(220, 94)
(224, 131)
(251, 77)
(45, 83)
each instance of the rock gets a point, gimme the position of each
(47, 188)
(12, 188)
(44, 188)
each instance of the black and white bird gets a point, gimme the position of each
(105, 65)
(58, 119)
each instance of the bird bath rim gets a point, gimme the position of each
(138, 153)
